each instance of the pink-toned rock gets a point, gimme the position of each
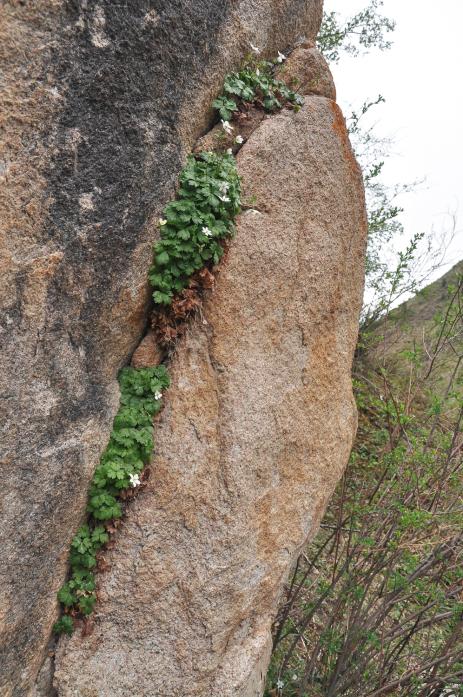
(307, 72)
(100, 103)
(255, 434)
(243, 124)
(148, 353)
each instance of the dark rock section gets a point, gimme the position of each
(100, 102)
(257, 429)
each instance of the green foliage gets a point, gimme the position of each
(361, 32)
(129, 448)
(192, 231)
(225, 106)
(387, 278)
(255, 83)
(65, 625)
(389, 275)
(376, 599)
(194, 226)
(196, 223)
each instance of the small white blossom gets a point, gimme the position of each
(134, 480)
(280, 684)
(281, 57)
(227, 127)
(239, 140)
(224, 186)
(225, 199)
(229, 151)
(257, 72)
(294, 677)
(255, 49)
(162, 222)
(205, 230)
(157, 395)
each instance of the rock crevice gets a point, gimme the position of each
(100, 103)
(256, 432)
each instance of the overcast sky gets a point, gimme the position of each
(420, 77)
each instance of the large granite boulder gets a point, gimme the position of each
(100, 103)
(257, 429)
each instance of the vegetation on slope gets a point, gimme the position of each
(375, 606)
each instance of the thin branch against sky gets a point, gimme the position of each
(424, 101)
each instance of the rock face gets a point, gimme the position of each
(148, 352)
(307, 72)
(256, 432)
(100, 103)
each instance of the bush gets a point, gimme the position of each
(375, 604)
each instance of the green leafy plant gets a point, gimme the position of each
(129, 448)
(195, 225)
(255, 83)
(192, 232)
(390, 274)
(64, 625)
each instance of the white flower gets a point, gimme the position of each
(280, 684)
(257, 72)
(134, 480)
(205, 230)
(239, 139)
(255, 49)
(294, 677)
(225, 199)
(229, 151)
(157, 395)
(224, 186)
(281, 57)
(162, 222)
(227, 127)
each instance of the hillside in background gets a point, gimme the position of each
(419, 311)
(415, 326)
(374, 606)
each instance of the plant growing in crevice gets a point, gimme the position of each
(255, 84)
(196, 223)
(129, 449)
(193, 232)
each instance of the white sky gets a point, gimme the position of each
(420, 78)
